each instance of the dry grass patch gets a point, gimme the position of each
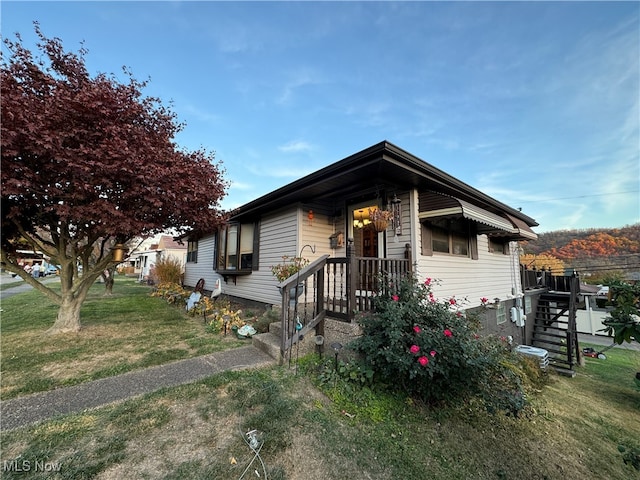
(127, 331)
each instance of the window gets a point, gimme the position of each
(498, 245)
(451, 236)
(237, 248)
(501, 313)
(192, 251)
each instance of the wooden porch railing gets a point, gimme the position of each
(350, 283)
(302, 304)
(533, 278)
(337, 287)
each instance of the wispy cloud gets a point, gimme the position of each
(296, 146)
(296, 80)
(236, 185)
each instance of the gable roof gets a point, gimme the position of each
(383, 164)
(167, 242)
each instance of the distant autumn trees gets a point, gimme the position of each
(543, 262)
(88, 162)
(597, 245)
(598, 254)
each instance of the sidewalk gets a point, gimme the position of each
(21, 285)
(22, 411)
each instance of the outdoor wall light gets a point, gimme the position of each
(310, 217)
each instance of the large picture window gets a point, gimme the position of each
(237, 248)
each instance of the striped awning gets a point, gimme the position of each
(434, 205)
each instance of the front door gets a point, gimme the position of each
(366, 241)
(369, 241)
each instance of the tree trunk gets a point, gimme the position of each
(108, 275)
(68, 319)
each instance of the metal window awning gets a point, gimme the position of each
(434, 205)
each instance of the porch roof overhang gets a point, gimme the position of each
(380, 168)
(434, 205)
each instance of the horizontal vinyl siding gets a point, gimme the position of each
(317, 236)
(491, 276)
(203, 268)
(278, 237)
(396, 245)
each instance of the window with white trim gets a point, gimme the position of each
(501, 313)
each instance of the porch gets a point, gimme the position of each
(335, 288)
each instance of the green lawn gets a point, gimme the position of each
(572, 430)
(127, 331)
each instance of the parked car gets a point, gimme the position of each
(603, 292)
(52, 270)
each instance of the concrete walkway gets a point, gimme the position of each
(20, 285)
(27, 410)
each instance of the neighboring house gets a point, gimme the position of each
(166, 247)
(440, 227)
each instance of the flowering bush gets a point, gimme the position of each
(172, 292)
(288, 267)
(221, 314)
(433, 351)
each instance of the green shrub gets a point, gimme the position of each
(432, 350)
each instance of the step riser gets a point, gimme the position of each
(334, 331)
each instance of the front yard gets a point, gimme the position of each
(574, 428)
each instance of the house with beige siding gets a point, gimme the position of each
(437, 227)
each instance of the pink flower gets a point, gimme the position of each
(459, 314)
(484, 300)
(447, 332)
(452, 301)
(414, 349)
(424, 361)
(476, 336)
(417, 329)
(432, 353)
(432, 298)
(395, 298)
(427, 282)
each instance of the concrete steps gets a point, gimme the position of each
(335, 331)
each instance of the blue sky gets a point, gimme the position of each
(533, 103)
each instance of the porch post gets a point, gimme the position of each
(352, 272)
(408, 256)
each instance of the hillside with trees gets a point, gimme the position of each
(595, 253)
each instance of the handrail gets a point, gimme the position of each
(293, 327)
(305, 272)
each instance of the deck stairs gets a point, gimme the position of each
(555, 330)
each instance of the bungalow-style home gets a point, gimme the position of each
(379, 210)
(165, 247)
